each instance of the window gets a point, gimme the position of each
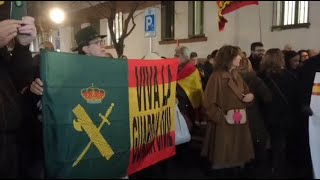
(195, 18)
(57, 42)
(167, 20)
(34, 46)
(290, 14)
(117, 28)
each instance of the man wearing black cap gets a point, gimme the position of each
(89, 43)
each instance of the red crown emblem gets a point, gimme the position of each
(93, 95)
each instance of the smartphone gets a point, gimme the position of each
(18, 9)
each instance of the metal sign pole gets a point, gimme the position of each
(150, 38)
(150, 27)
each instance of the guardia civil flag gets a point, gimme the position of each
(106, 118)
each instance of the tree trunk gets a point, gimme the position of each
(112, 7)
(119, 48)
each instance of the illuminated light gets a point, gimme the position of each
(57, 15)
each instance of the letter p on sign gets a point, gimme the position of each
(149, 23)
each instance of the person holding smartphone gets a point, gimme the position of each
(14, 75)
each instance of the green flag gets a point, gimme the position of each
(106, 118)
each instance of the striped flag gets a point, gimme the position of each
(226, 7)
(190, 81)
(151, 87)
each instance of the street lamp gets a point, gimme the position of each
(57, 15)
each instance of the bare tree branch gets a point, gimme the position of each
(108, 4)
(112, 4)
(106, 7)
(132, 28)
(98, 11)
(138, 14)
(126, 22)
(110, 23)
(110, 10)
(132, 17)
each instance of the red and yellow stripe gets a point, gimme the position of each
(190, 81)
(225, 7)
(316, 89)
(155, 76)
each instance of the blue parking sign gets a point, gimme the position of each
(150, 23)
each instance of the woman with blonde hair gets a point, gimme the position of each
(227, 144)
(279, 112)
(47, 45)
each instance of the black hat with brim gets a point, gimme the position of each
(84, 36)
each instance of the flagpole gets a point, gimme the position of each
(260, 23)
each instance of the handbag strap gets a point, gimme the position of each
(283, 97)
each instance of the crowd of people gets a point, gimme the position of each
(269, 88)
(251, 105)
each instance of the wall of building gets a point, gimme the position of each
(242, 29)
(299, 38)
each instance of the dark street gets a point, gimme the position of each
(188, 164)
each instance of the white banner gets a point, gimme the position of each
(314, 127)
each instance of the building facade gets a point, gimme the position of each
(195, 25)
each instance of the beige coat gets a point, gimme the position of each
(226, 145)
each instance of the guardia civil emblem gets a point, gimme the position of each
(83, 123)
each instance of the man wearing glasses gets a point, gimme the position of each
(257, 53)
(89, 43)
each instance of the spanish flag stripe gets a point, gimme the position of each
(237, 5)
(153, 109)
(159, 72)
(192, 86)
(186, 71)
(316, 89)
(151, 112)
(151, 147)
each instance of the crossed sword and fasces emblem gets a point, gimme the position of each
(84, 122)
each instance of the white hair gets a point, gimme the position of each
(184, 51)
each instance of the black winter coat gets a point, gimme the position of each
(262, 96)
(14, 76)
